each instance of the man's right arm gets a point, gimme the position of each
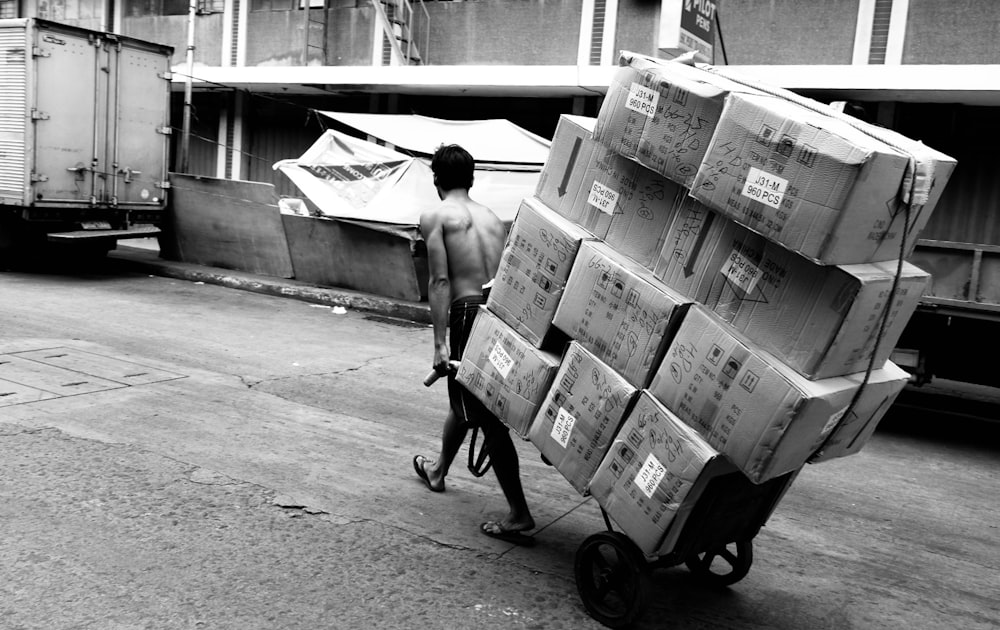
(438, 284)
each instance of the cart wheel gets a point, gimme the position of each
(724, 565)
(611, 578)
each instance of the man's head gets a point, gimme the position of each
(453, 168)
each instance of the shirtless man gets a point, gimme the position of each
(464, 242)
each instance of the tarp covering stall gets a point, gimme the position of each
(381, 193)
(493, 140)
(348, 178)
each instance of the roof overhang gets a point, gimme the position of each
(968, 84)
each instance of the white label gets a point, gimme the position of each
(832, 422)
(603, 198)
(766, 188)
(650, 476)
(642, 99)
(563, 427)
(502, 361)
(741, 271)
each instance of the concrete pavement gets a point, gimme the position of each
(259, 490)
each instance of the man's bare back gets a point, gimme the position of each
(472, 238)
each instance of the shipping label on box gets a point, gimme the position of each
(822, 320)
(580, 415)
(616, 199)
(505, 372)
(662, 114)
(535, 263)
(808, 181)
(651, 467)
(747, 404)
(616, 309)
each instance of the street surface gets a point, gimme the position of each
(206, 457)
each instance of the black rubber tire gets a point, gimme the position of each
(723, 566)
(611, 578)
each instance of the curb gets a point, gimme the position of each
(149, 262)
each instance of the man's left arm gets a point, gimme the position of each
(438, 284)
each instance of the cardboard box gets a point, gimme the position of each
(854, 430)
(649, 471)
(748, 405)
(662, 114)
(618, 200)
(616, 309)
(535, 263)
(822, 320)
(580, 415)
(811, 182)
(925, 180)
(505, 372)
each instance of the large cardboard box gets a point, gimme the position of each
(822, 320)
(505, 372)
(662, 114)
(649, 471)
(926, 177)
(618, 200)
(616, 309)
(809, 181)
(856, 427)
(580, 415)
(535, 263)
(764, 416)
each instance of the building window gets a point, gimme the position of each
(8, 9)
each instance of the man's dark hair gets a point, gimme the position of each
(453, 167)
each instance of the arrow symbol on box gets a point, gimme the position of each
(569, 166)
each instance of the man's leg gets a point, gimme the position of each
(503, 455)
(452, 437)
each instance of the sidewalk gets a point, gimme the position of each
(142, 255)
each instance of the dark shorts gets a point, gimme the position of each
(466, 406)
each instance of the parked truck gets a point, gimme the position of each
(84, 136)
(954, 334)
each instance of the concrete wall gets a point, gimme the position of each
(172, 30)
(788, 31)
(500, 32)
(957, 31)
(275, 38)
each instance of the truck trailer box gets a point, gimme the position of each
(654, 464)
(821, 320)
(505, 372)
(663, 114)
(768, 419)
(809, 181)
(616, 309)
(580, 415)
(84, 125)
(618, 200)
(537, 257)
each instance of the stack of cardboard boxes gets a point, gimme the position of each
(709, 276)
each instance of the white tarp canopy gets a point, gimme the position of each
(348, 178)
(493, 140)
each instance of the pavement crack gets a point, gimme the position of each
(250, 383)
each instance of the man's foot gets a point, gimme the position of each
(419, 465)
(513, 534)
